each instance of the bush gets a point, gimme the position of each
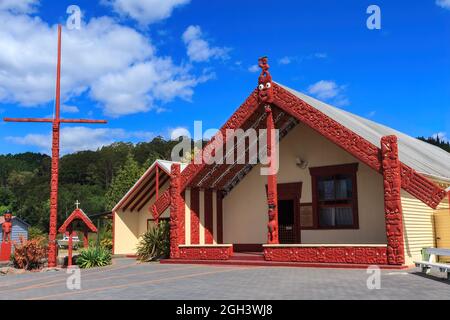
(106, 244)
(93, 257)
(155, 243)
(36, 232)
(30, 254)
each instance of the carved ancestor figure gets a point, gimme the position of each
(391, 166)
(392, 199)
(7, 227)
(265, 90)
(272, 226)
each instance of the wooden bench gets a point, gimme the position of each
(426, 266)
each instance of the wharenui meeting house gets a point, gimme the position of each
(348, 191)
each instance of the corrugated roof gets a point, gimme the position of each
(425, 158)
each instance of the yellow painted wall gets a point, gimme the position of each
(125, 232)
(419, 226)
(442, 227)
(130, 226)
(245, 208)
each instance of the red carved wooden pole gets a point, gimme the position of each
(265, 99)
(55, 164)
(175, 208)
(56, 122)
(70, 246)
(272, 192)
(392, 200)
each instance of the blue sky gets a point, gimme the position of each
(152, 66)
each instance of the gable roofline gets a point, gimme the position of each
(161, 164)
(413, 182)
(78, 214)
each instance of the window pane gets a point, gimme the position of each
(326, 217)
(344, 217)
(335, 217)
(325, 187)
(343, 187)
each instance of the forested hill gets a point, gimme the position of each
(98, 179)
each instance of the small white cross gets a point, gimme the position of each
(77, 203)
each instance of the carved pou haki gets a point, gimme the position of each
(7, 227)
(265, 90)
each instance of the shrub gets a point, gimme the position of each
(106, 244)
(93, 257)
(36, 232)
(155, 243)
(30, 254)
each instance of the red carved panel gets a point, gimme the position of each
(161, 204)
(208, 217)
(182, 220)
(206, 253)
(220, 168)
(392, 183)
(351, 255)
(236, 121)
(238, 167)
(421, 187)
(195, 216)
(175, 208)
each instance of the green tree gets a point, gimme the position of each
(126, 177)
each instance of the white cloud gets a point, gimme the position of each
(254, 68)
(69, 109)
(441, 136)
(175, 133)
(145, 11)
(285, 60)
(199, 49)
(19, 6)
(75, 139)
(114, 64)
(329, 90)
(443, 4)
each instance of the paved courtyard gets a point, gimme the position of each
(126, 279)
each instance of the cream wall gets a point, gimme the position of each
(125, 232)
(130, 226)
(245, 208)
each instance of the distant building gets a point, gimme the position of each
(20, 228)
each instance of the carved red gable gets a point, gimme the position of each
(77, 214)
(413, 182)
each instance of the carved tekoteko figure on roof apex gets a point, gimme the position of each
(265, 94)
